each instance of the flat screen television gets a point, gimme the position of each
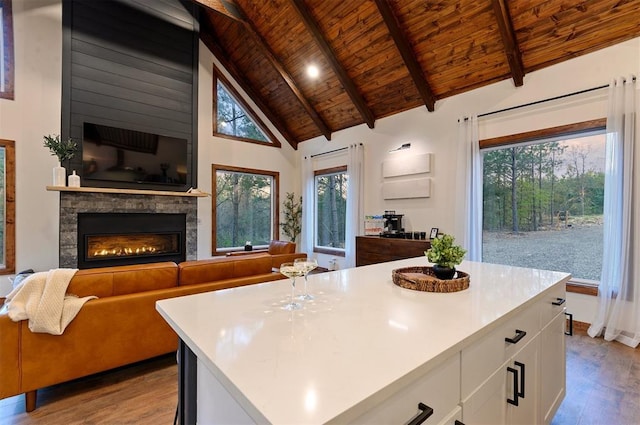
(118, 155)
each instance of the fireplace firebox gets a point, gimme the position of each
(114, 239)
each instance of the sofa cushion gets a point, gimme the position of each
(120, 280)
(221, 268)
(250, 266)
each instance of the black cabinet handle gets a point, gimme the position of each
(559, 301)
(519, 335)
(570, 316)
(520, 391)
(514, 401)
(426, 411)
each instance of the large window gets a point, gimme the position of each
(331, 207)
(7, 207)
(245, 207)
(543, 203)
(232, 117)
(6, 50)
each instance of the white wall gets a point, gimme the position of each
(34, 113)
(436, 132)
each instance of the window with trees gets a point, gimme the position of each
(543, 201)
(7, 206)
(331, 208)
(245, 207)
(6, 50)
(232, 117)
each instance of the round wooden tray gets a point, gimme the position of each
(422, 278)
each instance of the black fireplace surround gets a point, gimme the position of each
(150, 237)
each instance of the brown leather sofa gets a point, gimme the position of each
(280, 252)
(121, 326)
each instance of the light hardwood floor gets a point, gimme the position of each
(603, 387)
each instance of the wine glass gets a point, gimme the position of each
(306, 265)
(291, 271)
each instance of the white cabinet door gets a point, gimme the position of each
(525, 362)
(516, 380)
(487, 404)
(552, 368)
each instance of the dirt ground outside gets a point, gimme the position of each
(575, 248)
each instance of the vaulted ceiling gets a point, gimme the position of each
(380, 57)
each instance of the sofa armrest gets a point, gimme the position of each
(10, 365)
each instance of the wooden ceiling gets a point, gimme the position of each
(381, 57)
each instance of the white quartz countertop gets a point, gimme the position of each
(361, 336)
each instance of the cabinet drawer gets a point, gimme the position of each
(439, 389)
(485, 356)
(553, 303)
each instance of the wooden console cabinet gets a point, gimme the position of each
(376, 249)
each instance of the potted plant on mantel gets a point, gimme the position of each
(445, 256)
(65, 150)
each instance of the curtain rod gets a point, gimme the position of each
(543, 101)
(333, 151)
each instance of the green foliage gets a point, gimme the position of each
(233, 120)
(331, 204)
(444, 253)
(292, 224)
(243, 209)
(524, 187)
(63, 149)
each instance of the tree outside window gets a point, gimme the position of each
(331, 207)
(543, 204)
(245, 207)
(233, 118)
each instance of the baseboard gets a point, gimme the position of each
(581, 327)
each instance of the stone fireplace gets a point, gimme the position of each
(119, 238)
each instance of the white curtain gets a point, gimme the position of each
(308, 207)
(618, 314)
(355, 202)
(468, 214)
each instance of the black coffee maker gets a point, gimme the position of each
(392, 225)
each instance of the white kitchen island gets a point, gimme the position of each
(368, 351)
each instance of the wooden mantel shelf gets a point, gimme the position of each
(123, 191)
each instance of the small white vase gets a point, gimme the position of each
(59, 176)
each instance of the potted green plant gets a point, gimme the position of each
(65, 150)
(445, 256)
(292, 224)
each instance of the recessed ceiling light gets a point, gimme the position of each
(313, 71)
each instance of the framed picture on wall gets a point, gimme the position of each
(434, 233)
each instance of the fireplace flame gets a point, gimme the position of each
(125, 251)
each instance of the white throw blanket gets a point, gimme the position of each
(42, 299)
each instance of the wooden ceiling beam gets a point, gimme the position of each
(226, 7)
(221, 55)
(514, 56)
(271, 57)
(329, 53)
(409, 58)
